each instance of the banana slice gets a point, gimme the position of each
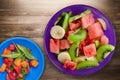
(57, 32)
(93, 58)
(63, 56)
(81, 58)
(103, 23)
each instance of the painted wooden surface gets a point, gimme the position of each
(29, 18)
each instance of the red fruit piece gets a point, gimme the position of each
(69, 64)
(7, 77)
(12, 75)
(64, 44)
(89, 50)
(81, 45)
(27, 70)
(54, 46)
(104, 40)
(17, 69)
(95, 31)
(8, 62)
(11, 47)
(89, 41)
(74, 25)
(87, 20)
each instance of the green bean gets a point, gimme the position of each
(80, 15)
(13, 55)
(79, 35)
(102, 50)
(72, 51)
(97, 43)
(86, 64)
(26, 52)
(66, 20)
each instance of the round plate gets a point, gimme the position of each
(35, 73)
(77, 9)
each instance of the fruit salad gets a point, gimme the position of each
(17, 61)
(79, 41)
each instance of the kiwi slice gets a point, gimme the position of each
(87, 64)
(102, 50)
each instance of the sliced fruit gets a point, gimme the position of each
(12, 75)
(64, 44)
(17, 62)
(3, 67)
(33, 63)
(89, 50)
(93, 58)
(102, 23)
(11, 47)
(106, 55)
(72, 51)
(87, 20)
(7, 51)
(17, 69)
(8, 62)
(63, 56)
(74, 26)
(78, 35)
(24, 63)
(104, 40)
(57, 32)
(81, 45)
(54, 46)
(87, 64)
(81, 58)
(95, 31)
(102, 50)
(69, 64)
(66, 20)
(73, 18)
(97, 43)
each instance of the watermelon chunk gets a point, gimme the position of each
(95, 31)
(104, 40)
(54, 46)
(64, 44)
(89, 50)
(75, 24)
(69, 64)
(87, 20)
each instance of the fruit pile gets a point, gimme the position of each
(17, 62)
(79, 41)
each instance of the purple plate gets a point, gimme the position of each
(76, 9)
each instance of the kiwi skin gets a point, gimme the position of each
(87, 64)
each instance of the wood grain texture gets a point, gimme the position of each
(29, 18)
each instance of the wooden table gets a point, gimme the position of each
(28, 18)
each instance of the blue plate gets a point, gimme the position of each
(35, 73)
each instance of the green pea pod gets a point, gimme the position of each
(72, 51)
(86, 12)
(66, 20)
(26, 52)
(79, 35)
(60, 19)
(102, 50)
(13, 55)
(86, 64)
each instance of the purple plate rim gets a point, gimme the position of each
(83, 72)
